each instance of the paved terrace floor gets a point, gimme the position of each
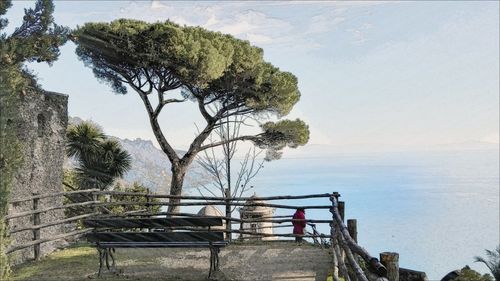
(256, 261)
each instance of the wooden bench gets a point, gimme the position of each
(111, 233)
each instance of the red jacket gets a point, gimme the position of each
(298, 226)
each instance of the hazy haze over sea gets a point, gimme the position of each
(438, 208)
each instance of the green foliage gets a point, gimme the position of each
(118, 49)
(83, 140)
(467, 274)
(100, 160)
(493, 262)
(210, 67)
(135, 188)
(225, 77)
(71, 183)
(280, 134)
(70, 180)
(37, 39)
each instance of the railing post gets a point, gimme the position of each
(95, 199)
(353, 229)
(314, 233)
(333, 245)
(242, 217)
(36, 232)
(149, 207)
(341, 208)
(333, 240)
(391, 262)
(228, 214)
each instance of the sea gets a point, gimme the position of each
(437, 208)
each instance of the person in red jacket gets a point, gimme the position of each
(299, 223)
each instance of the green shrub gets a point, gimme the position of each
(467, 274)
(134, 188)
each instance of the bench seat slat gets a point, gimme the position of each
(152, 222)
(155, 236)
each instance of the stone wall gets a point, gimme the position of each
(41, 131)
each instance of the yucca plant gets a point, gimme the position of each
(99, 160)
(493, 262)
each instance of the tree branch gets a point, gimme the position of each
(201, 106)
(241, 138)
(163, 103)
(165, 146)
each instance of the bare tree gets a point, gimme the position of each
(219, 168)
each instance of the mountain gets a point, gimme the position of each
(150, 166)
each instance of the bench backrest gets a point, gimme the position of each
(196, 236)
(152, 222)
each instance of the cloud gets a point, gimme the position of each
(359, 34)
(261, 23)
(237, 19)
(259, 39)
(252, 25)
(324, 22)
(338, 4)
(157, 5)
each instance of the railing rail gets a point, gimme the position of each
(343, 243)
(43, 196)
(268, 198)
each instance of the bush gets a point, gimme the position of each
(135, 188)
(467, 274)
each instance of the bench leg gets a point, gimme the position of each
(107, 258)
(211, 263)
(217, 250)
(214, 260)
(102, 252)
(113, 264)
(104, 255)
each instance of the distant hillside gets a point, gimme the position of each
(150, 166)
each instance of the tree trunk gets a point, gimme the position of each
(178, 173)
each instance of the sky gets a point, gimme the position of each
(370, 73)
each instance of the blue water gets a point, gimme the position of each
(436, 209)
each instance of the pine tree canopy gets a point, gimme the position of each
(225, 76)
(37, 39)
